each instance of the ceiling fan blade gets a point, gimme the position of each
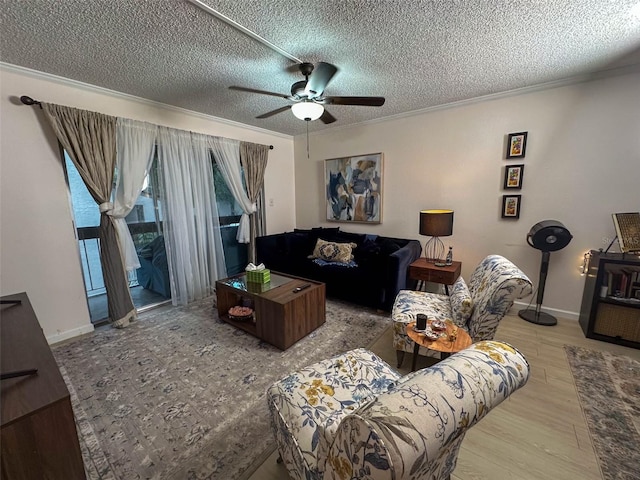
(262, 92)
(319, 79)
(326, 117)
(364, 101)
(274, 112)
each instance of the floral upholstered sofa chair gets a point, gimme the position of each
(478, 308)
(353, 417)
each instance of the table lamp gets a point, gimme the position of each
(435, 224)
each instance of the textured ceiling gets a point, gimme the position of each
(417, 54)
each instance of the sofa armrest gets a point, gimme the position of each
(397, 275)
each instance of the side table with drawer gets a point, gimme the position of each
(425, 271)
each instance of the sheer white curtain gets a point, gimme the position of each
(135, 143)
(227, 155)
(191, 225)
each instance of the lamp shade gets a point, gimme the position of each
(306, 110)
(436, 223)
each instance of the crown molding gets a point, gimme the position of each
(125, 96)
(598, 75)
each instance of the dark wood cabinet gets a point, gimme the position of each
(38, 435)
(610, 309)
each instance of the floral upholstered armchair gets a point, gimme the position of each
(477, 308)
(352, 417)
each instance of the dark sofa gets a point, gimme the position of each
(379, 269)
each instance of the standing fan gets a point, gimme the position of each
(547, 236)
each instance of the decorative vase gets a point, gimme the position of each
(449, 259)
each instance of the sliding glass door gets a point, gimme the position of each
(149, 285)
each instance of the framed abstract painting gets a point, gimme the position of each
(353, 188)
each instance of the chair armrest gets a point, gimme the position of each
(494, 285)
(416, 429)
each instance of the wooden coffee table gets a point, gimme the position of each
(444, 345)
(283, 313)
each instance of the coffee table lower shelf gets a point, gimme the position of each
(248, 326)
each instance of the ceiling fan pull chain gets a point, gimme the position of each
(307, 122)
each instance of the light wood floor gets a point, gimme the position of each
(537, 433)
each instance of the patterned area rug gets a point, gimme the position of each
(181, 395)
(609, 390)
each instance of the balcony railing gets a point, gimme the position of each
(143, 233)
(89, 245)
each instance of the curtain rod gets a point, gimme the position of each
(30, 101)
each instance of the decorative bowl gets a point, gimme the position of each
(438, 325)
(430, 334)
(240, 314)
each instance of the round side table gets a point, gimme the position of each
(445, 345)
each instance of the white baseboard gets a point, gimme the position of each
(551, 311)
(67, 334)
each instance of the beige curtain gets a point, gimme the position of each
(253, 158)
(90, 140)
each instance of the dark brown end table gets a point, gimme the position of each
(426, 271)
(283, 311)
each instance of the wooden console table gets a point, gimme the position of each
(38, 432)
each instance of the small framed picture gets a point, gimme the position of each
(511, 206)
(513, 175)
(517, 145)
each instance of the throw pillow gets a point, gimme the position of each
(461, 302)
(333, 252)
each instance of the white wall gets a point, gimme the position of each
(582, 163)
(38, 251)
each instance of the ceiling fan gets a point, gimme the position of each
(308, 95)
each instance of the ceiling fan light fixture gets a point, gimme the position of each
(308, 111)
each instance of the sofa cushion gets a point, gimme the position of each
(388, 246)
(333, 252)
(461, 302)
(344, 237)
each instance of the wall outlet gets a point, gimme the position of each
(271, 202)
